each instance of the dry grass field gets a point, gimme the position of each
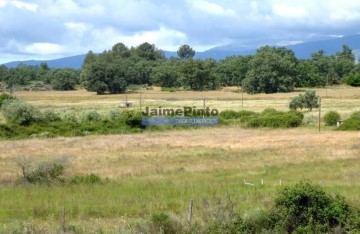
(227, 98)
(161, 171)
(196, 151)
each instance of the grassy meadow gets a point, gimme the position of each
(154, 171)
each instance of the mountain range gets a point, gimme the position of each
(301, 50)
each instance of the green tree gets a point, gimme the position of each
(308, 75)
(353, 79)
(119, 50)
(185, 52)
(149, 52)
(167, 74)
(43, 73)
(344, 62)
(309, 100)
(64, 79)
(271, 70)
(325, 65)
(199, 74)
(96, 78)
(90, 58)
(115, 79)
(4, 77)
(232, 70)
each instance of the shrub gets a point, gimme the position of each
(296, 113)
(331, 118)
(230, 114)
(355, 115)
(16, 111)
(270, 112)
(114, 115)
(296, 103)
(352, 123)
(309, 100)
(280, 121)
(276, 119)
(69, 116)
(51, 116)
(87, 179)
(310, 120)
(43, 173)
(353, 79)
(4, 97)
(305, 208)
(132, 118)
(90, 115)
(163, 223)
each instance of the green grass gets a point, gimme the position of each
(138, 197)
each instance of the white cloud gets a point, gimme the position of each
(344, 15)
(169, 39)
(24, 5)
(211, 8)
(3, 3)
(70, 27)
(286, 11)
(286, 43)
(43, 48)
(77, 27)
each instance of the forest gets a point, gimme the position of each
(270, 70)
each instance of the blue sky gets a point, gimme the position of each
(47, 29)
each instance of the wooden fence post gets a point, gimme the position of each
(190, 211)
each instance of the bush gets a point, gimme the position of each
(4, 97)
(163, 223)
(353, 80)
(309, 100)
(43, 173)
(132, 118)
(331, 118)
(305, 208)
(230, 114)
(90, 115)
(280, 121)
(296, 103)
(16, 111)
(51, 116)
(114, 115)
(276, 119)
(353, 123)
(271, 112)
(69, 116)
(87, 179)
(355, 115)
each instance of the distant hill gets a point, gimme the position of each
(70, 62)
(301, 50)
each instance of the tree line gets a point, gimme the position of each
(270, 70)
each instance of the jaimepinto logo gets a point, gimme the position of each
(187, 116)
(186, 111)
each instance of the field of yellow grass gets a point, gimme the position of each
(196, 151)
(161, 171)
